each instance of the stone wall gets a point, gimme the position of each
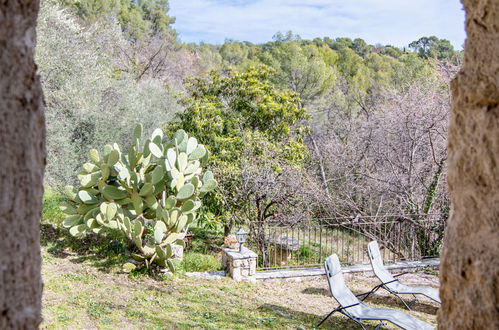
(470, 261)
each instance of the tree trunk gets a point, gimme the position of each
(321, 166)
(22, 162)
(470, 261)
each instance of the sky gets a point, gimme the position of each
(394, 22)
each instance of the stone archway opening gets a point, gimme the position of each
(470, 263)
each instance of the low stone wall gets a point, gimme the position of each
(402, 266)
(241, 266)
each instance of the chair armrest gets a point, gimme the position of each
(394, 280)
(348, 306)
(374, 289)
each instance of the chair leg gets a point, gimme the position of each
(403, 301)
(379, 325)
(354, 319)
(397, 295)
(413, 301)
(367, 294)
(328, 315)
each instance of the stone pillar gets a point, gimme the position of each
(22, 142)
(469, 273)
(241, 266)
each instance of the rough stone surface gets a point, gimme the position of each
(470, 261)
(245, 253)
(22, 162)
(240, 265)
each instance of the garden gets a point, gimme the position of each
(158, 151)
(84, 287)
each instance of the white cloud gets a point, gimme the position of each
(396, 22)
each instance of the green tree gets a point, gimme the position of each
(300, 68)
(233, 52)
(391, 51)
(224, 111)
(360, 47)
(156, 12)
(286, 37)
(412, 67)
(83, 90)
(339, 43)
(433, 47)
(139, 19)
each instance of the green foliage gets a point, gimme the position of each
(224, 111)
(300, 69)
(84, 94)
(150, 195)
(304, 252)
(197, 262)
(204, 239)
(221, 108)
(51, 206)
(433, 47)
(234, 53)
(139, 19)
(391, 51)
(360, 47)
(99, 70)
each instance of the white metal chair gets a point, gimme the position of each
(356, 310)
(390, 283)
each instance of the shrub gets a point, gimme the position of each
(150, 195)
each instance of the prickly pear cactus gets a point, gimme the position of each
(151, 194)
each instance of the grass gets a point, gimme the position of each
(85, 288)
(197, 262)
(205, 240)
(79, 295)
(51, 201)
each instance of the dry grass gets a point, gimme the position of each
(311, 296)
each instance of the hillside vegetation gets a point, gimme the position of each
(296, 128)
